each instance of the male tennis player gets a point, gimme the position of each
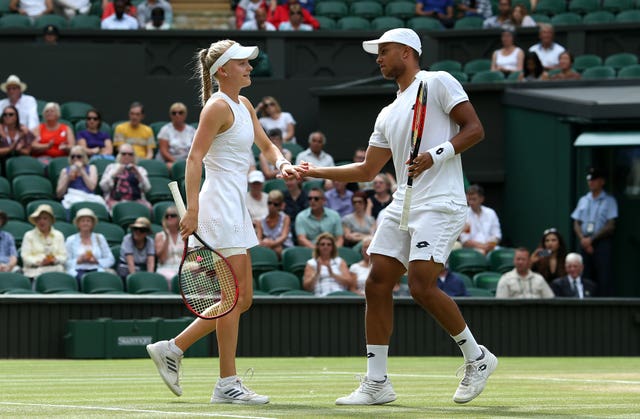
(436, 218)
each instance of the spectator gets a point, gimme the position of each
(480, 8)
(157, 21)
(295, 199)
(358, 224)
(573, 285)
(56, 138)
(317, 219)
(15, 138)
(510, 57)
(8, 251)
(358, 157)
(43, 247)
(135, 133)
(281, 14)
(381, 196)
(361, 269)
(77, 182)
(50, 35)
(520, 18)
(532, 69)
(256, 198)
(124, 180)
(137, 251)
(482, 231)
(502, 19)
(566, 68)
(594, 222)
(274, 117)
(119, 20)
(169, 245)
(339, 198)
(26, 105)
(315, 153)
(269, 170)
(439, 9)
(260, 22)
(146, 10)
(108, 9)
(274, 230)
(451, 284)
(548, 258)
(175, 138)
(97, 144)
(246, 13)
(295, 20)
(31, 8)
(548, 51)
(520, 282)
(87, 251)
(326, 272)
(70, 8)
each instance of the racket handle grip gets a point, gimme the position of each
(177, 198)
(404, 218)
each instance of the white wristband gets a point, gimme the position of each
(442, 152)
(281, 161)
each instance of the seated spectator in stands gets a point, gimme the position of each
(509, 58)
(548, 51)
(245, 12)
(361, 269)
(8, 251)
(50, 35)
(77, 182)
(295, 199)
(358, 224)
(482, 231)
(108, 9)
(315, 153)
(573, 285)
(480, 8)
(502, 19)
(548, 258)
(566, 68)
(97, 144)
(317, 219)
(43, 247)
(295, 20)
(175, 138)
(56, 138)
(169, 245)
(438, 9)
(451, 284)
(256, 198)
(157, 21)
(70, 8)
(281, 14)
(260, 22)
(137, 251)
(381, 196)
(135, 133)
(87, 251)
(520, 282)
(326, 272)
(15, 138)
(520, 17)
(272, 117)
(274, 230)
(25, 104)
(124, 180)
(269, 170)
(532, 69)
(308, 5)
(145, 13)
(119, 20)
(32, 8)
(339, 198)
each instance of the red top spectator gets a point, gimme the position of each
(281, 14)
(108, 9)
(245, 11)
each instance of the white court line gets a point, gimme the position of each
(120, 409)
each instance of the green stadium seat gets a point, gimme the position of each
(353, 23)
(23, 165)
(158, 210)
(85, 22)
(349, 255)
(101, 165)
(422, 23)
(332, 10)
(469, 22)
(13, 209)
(17, 229)
(4, 7)
(5, 188)
(307, 185)
(513, 76)
(272, 184)
(156, 127)
(13, 281)
(468, 282)
(15, 21)
(296, 293)
(460, 76)
(628, 16)
(75, 111)
(584, 6)
(617, 6)
(541, 18)
(56, 283)
(488, 77)
(446, 65)
(294, 259)
(294, 148)
(568, 18)
(115, 252)
(385, 23)
(58, 210)
(113, 233)
(487, 280)
(98, 209)
(125, 213)
(501, 259)
(366, 9)
(326, 23)
(147, 283)
(46, 20)
(475, 66)
(263, 259)
(276, 282)
(41, 104)
(54, 168)
(551, 7)
(401, 9)
(479, 292)
(28, 188)
(602, 72)
(67, 229)
(102, 283)
(467, 261)
(343, 293)
(629, 72)
(622, 59)
(261, 65)
(159, 189)
(177, 170)
(582, 62)
(598, 17)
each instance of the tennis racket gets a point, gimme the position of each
(417, 127)
(208, 285)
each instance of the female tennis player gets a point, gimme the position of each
(227, 129)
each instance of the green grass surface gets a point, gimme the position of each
(308, 387)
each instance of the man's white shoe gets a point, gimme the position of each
(236, 393)
(476, 374)
(370, 392)
(168, 364)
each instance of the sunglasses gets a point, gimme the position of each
(295, 13)
(92, 118)
(125, 153)
(269, 104)
(273, 203)
(170, 215)
(76, 156)
(315, 198)
(140, 230)
(177, 112)
(9, 114)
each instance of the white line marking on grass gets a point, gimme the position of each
(121, 409)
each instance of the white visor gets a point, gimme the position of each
(234, 52)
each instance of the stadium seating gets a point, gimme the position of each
(101, 165)
(147, 283)
(102, 283)
(177, 170)
(296, 293)
(582, 62)
(4, 7)
(98, 209)
(487, 280)
(5, 188)
(469, 22)
(294, 148)
(384, 23)
(54, 168)
(541, 18)
(67, 229)
(628, 16)
(272, 184)
(353, 23)
(602, 72)
(446, 65)
(551, 7)
(58, 210)
(343, 293)
(157, 126)
(28, 188)
(113, 233)
(467, 261)
(501, 259)
(294, 259)
(468, 282)
(332, 9)
(125, 213)
(513, 76)
(56, 283)
(622, 59)
(424, 24)
(475, 66)
(158, 210)
(159, 190)
(115, 251)
(401, 9)
(488, 77)
(55, 20)
(23, 165)
(568, 18)
(598, 17)
(629, 72)
(15, 21)
(81, 125)
(326, 23)
(13, 209)
(75, 111)
(154, 167)
(263, 259)
(13, 281)
(85, 22)
(261, 65)
(349, 255)
(617, 6)
(276, 282)
(175, 284)
(479, 292)
(460, 76)
(584, 7)
(366, 9)
(17, 229)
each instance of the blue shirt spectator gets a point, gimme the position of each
(317, 219)
(452, 284)
(8, 252)
(339, 198)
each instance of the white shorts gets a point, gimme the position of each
(232, 251)
(433, 231)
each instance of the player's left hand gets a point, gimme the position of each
(421, 163)
(289, 171)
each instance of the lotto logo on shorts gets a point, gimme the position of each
(422, 244)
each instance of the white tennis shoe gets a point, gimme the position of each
(168, 364)
(476, 374)
(236, 393)
(370, 392)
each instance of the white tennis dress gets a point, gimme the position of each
(223, 220)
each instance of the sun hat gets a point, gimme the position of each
(234, 52)
(13, 80)
(402, 36)
(85, 212)
(141, 223)
(46, 208)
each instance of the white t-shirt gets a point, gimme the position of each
(127, 22)
(286, 26)
(482, 227)
(549, 57)
(258, 209)
(282, 122)
(27, 107)
(33, 7)
(253, 26)
(392, 130)
(179, 141)
(510, 62)
(326, 284)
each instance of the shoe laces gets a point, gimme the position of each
(368, 386)
(469, 369)
(248, 376)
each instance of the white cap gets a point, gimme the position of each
(402, 36)
(234, 52)
(256, 176)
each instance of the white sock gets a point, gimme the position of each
(377, 362)
(227, 380)
(174, 348)
(468, 345)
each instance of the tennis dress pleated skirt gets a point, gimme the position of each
(223, 218)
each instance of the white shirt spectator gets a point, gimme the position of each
(326, 284)
(533, 285)
(27, 110)
(549, 57)
(286, 26)
(145, 8)
(281, 123)
(323, 160)
(257, 209)
(32, 7)
(484, 227)
(179, 141)
(253, 26)
(126, 23)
